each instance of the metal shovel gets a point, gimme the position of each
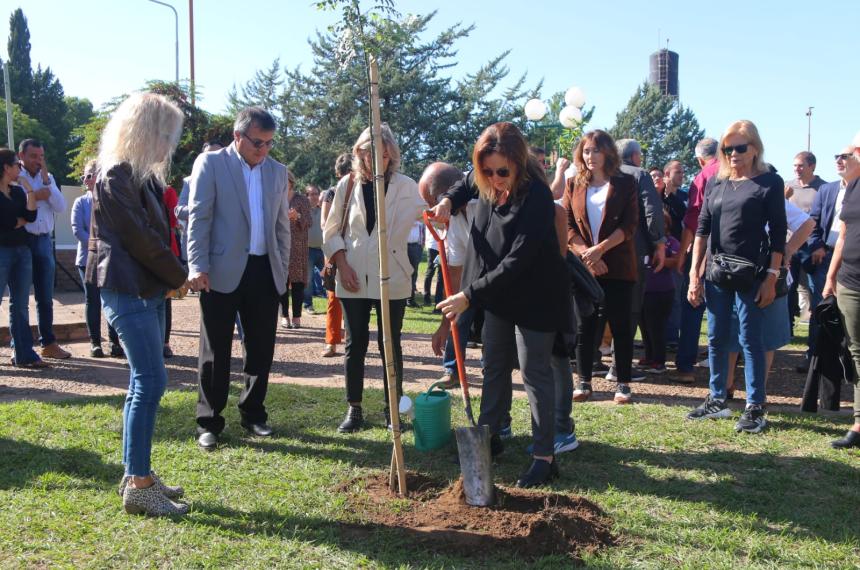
(473, 443)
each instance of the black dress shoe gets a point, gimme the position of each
(540, 472)
(353, 421)
(851, 439)
(116, 351)
(96, 351)
(262, 429)
(168, 352)
(207, 440)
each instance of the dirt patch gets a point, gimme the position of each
(433, 516)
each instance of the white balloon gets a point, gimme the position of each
(857, 139)
(575, 97)
(535, 109)
(569, 117)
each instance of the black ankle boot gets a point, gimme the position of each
(353, 421)
(851, 439)
(538, 473)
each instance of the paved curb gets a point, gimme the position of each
(65, 332)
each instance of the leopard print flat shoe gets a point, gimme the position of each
(150, 502)
(168, 491)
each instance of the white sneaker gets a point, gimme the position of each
(285, 323)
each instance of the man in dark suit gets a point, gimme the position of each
(238, 254)
(826, 207)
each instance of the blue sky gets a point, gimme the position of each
(764, 60)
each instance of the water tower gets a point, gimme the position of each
(664, 71)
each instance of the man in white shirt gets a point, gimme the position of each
(435, 180)
(50, 201)
(238, 255)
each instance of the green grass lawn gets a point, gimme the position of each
(694, 495)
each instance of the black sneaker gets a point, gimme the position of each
(353, 421)
(712, 408)
(752, 420)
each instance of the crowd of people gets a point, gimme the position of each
(558, 271)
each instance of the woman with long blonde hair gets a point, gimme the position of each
(131, 261)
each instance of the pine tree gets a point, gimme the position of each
(664, 128)
(20, 69)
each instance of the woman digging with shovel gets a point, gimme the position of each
(516, 273)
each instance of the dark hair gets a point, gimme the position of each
(256, 117)
(606, 145)
(343, 164)
(535, 150)
(505, 139)
(653, 168)
(209, 144)
(8, 157)
(27, 143)
(443, 178)
(806, 157)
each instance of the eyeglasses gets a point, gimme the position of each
(500, 172)
(258, 144)
(843, 157)
(87, 176)
(739, 148)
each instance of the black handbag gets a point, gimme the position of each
(731, 272)
(329, 272)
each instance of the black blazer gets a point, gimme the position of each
(514, 268)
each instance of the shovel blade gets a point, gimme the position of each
(473, 448)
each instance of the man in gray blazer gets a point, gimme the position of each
(238, 254)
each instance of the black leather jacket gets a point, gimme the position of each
(129, 247)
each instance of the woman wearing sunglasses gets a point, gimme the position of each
(515, 272)
(82, 211)
(351, 240)
(743, 226)
(602, 213)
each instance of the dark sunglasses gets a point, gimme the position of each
(842, 157)
(500, 172)
(258, 144)
(87, 176)
(739, 148)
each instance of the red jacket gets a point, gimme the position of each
(170, 202)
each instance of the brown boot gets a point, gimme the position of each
(53, 350)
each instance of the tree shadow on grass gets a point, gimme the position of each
(809, 497)
(26, 462)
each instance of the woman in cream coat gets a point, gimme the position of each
(356, 255)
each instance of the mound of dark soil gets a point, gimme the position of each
(525, 523)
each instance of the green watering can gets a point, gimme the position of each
(432, 423)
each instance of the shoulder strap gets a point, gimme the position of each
(344, 221)
(719, 188)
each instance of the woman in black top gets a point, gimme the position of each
(17, 207)
(843, 280)
(744, 216)
(514, 271)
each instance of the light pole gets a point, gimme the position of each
(809, 129)
(191, 46)
(569, 117)
(176, 17)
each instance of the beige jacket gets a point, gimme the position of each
(403, 205)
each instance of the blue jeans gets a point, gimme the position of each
(43, 285)
(721, 303)
(316, 262)
(464, 323)
(688, 336)
(816, 281)
(16, 271)
(140, 326)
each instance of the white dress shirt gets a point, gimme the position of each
(837, 211)
(45, 209)
(254, 184)
(595, 202)
(459, 239)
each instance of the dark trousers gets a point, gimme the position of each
(168, 319)
(432, 254)
(504, 344)
(655, 314)
(295, 292)
(256, 301)
(414, 251)
(356, 315)
(93, 310)
(616, 310)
